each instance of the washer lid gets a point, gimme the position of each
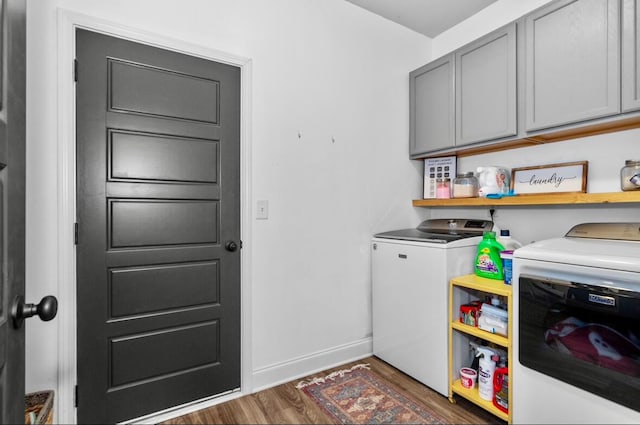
(601, 253)
(418, 235)
(441, 231)
(617, 231)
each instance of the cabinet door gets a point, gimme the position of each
(630, 56)
(572, 62)
(431, 113)
(485, 87)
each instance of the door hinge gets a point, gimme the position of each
(240, 244)
(75, 233)
(75, 70)
(75, 397)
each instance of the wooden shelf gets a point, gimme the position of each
(472, 395)
(502, 341)
(493, 286)
(572, 198)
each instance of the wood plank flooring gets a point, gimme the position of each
(285, 404)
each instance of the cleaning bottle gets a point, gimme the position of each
(486, 369)
(501, 388)
(507, 241)
(506, 255)
(488, 262)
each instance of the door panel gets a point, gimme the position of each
(136, 223)
(129, 151)
(149, 289)
(432, 98)
(158, 151)
(134, 88)
(572, 45)
(486, 88)
(12, 199)
(630, 56)
(186, 348)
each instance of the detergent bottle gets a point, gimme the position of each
(507, 241)
(501, 389)
(488, 262)
(486, 369)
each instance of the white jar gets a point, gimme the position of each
(465, 186)
(630, 175)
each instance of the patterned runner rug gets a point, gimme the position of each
(357, 396)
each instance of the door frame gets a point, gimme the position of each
(67, 22)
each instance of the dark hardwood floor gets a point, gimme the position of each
(285, 404)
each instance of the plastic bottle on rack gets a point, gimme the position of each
(486, 369)
(488, 262)
(507, 241)
(506, 255)
(497, 301)
(501, 388)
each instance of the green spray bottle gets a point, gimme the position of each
(488, 262)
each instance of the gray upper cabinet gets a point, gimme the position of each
(572, 62)
(568, 68)
(485, 86)
(465, 97)
(432, 114)
(630, 56)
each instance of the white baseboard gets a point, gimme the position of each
(279, 373)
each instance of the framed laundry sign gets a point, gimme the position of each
(552, 178)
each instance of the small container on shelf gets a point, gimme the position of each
(443, 188)
(493, 319)
(468, 377)
(465, 185)
(469, 313)
(630, 175)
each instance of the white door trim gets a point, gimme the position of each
(68, 21)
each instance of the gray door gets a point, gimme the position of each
(158, 262)
(630, 56)
(486, 88)
(432, 110)
(12, 180)
(13, 308)
(572, 62)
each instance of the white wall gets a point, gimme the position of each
(329, 151)
(606, 153)
(488, 19)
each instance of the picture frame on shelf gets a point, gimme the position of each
(435, 168)
(552, 178)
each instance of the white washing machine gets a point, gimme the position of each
(411, 269)
(577, 327)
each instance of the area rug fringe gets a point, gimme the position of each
(331, 376)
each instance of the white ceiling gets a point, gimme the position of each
(429, 17)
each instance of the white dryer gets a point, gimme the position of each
(576, 329)
(411, 269)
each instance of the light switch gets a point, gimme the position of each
(262, 210)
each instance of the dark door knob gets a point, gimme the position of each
(231, 246)
(46, 310)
